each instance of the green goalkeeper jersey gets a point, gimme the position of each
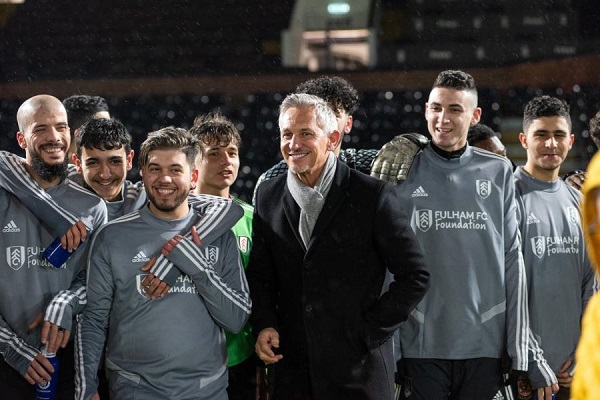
(240, 346)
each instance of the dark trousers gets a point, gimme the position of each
(242, 380)
(14, 386)
(434, 379)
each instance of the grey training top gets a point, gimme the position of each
(464, 215)
(560, 279)
(28, 283)
(175, 344)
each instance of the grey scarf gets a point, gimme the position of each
(311, 200)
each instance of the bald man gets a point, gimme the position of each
(38, 301)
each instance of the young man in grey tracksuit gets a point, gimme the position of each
(460, 201)
(172, 348)
(559, 276)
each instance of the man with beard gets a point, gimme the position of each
(38, 301)
(182, 333)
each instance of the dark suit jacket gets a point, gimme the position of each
(326, 301)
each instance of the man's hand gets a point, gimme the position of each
(153, 287)
(74, 236)
(575, 179)
(267, 340)
(54, 336)
(96, 396)
(545, 393)
(564, 375)
(39, 370)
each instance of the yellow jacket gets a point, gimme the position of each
(586, 382)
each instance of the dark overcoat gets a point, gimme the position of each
(332, 302)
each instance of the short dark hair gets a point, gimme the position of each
(479, 132)
(215, 128)
(103, 134)
(545, 106)
(81, 108)
(455, 79)
(336, 91)
(170, 138)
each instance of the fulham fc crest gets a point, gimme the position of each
(424, 219)
(484, 188)
(15, 257)
(243, 243)
(211, 254)
(573, 215)
(538, 246)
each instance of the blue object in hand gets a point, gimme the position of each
(48, 390)
(56, 255)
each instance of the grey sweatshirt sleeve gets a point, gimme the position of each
(539, 372)
(67, 303)
(15, 179)
(70, 302)
(221, 282)
(93, 322)
(517, 315)
(217, 215)
(15, 351)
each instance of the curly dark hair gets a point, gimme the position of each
(103, 134)
(336, 91)
(595, 128)
(545, 106)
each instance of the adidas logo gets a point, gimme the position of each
(532, 219)
(140, 257)
(11, 227)
(419, 192)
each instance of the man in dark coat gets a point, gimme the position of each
(335, 267)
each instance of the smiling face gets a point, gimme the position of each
(449, 114)
(218, 169)
(44, 135)
(168, 178)
(547, 141)
(104, 171)
(304, 144)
